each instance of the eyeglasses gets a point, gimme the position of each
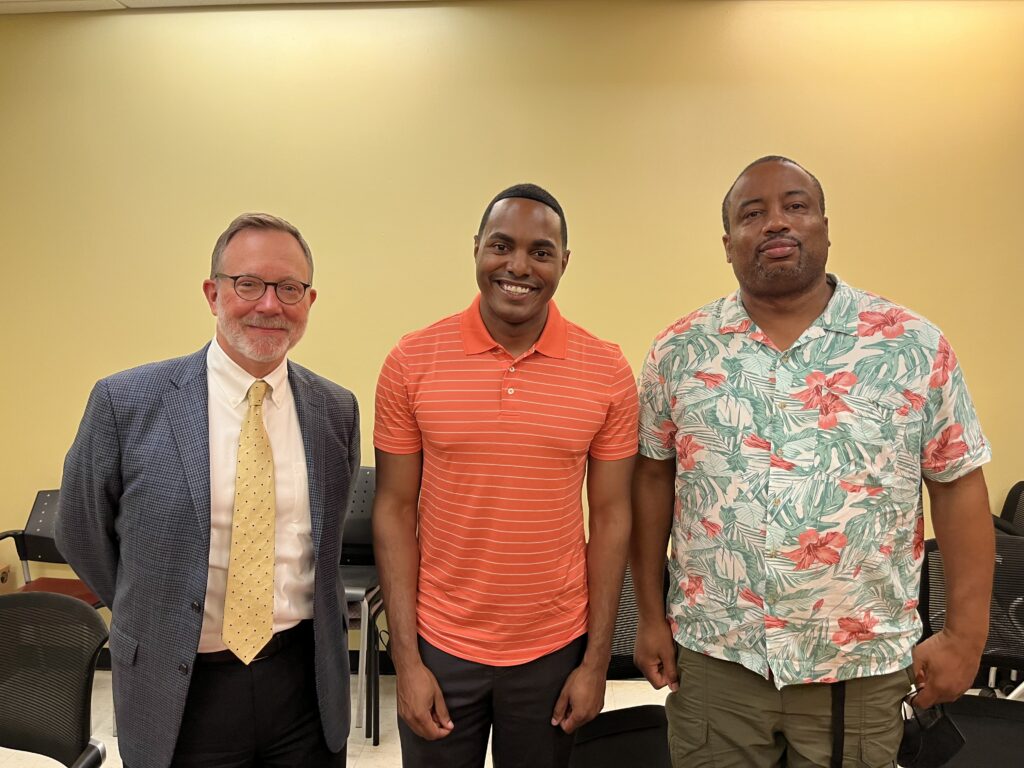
(252, 288)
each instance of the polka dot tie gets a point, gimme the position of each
(249, 602)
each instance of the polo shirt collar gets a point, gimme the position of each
(553, 341)
(840, 314)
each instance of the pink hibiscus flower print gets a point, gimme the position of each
(918, 542)
(681, 325)
(816, 549)
(741, 327)
(777, 462)
(751, 597)
(945, 362)
(824, 394)
(888, 323)
(711, 380)
(693, 588)
(915, 402)
(870, 490)
(774, 622)
(756, 441)
(712, 529)
(852, 629)
(947, 447)
(667, 433)
(686, 450)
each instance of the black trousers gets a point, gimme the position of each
(264, 715)
(517, 701)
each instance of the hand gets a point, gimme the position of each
(944, 667)
(421, 703)
(581, 699)
(654, 653)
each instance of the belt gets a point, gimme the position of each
(277, 642)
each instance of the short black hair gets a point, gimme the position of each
(769, 159)
(528, 192)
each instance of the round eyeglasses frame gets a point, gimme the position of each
(260, 286)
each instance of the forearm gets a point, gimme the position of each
(398, 558)
(606, 563)
(963, 528)
(653, 498)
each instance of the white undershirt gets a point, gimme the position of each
(294, 566)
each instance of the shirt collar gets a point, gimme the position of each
(553, 341)
(840, 314)
(234, 381)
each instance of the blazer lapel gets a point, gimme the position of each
(309, 405)
(188, 411)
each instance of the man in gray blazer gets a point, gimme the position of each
(156, 509)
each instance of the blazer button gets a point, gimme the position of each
(196, 606)
(183, 668)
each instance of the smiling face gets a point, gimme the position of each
(258, 334)
(519, 260)
(778, 235)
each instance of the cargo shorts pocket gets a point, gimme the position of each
(686, 741)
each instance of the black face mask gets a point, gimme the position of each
(930, 737)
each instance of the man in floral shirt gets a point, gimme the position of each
(784, 434)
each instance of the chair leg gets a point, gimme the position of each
(375, 683)
(364, 613)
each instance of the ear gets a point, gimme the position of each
(726, 242)
(210, 291)
(827, 241)
(312, 296)
(476, 246)
(565, 261)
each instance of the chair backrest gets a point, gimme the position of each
(47, 659)
(357, 540)
(1005, 644)
(1013, 507)
(36, 542)
(624, 634)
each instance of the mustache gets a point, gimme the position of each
(268, 322)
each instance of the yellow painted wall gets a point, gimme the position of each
(129, 140)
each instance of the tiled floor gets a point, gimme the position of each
(361, 753)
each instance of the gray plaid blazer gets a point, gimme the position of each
(134, 523)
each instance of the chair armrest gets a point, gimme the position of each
(1002, 526)
(93, 756)
(12, 534)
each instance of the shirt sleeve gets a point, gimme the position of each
(952, 443)
(617, 437)
(657, 429)
(394, 426)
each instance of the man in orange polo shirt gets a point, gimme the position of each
(500, 611)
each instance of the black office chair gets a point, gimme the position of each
(359, 574)
(993, 726)
(47, 660)
(634, 736)
(35, 544)
(1013, 511)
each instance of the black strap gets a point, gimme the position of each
(838, 723)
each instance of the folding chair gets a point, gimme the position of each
(358, 571)
(991, 723)
(634, 736)
(47, 661)
(35, 544)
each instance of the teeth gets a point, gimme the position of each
(516, 290)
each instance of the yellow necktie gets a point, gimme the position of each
(249, 602)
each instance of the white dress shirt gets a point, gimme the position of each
(294, 566)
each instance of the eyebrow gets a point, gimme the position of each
(542, 242)
(744, 203)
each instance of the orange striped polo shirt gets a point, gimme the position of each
(505, 442)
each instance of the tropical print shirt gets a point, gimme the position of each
(797, 536)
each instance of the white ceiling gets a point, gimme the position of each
(49, 6)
